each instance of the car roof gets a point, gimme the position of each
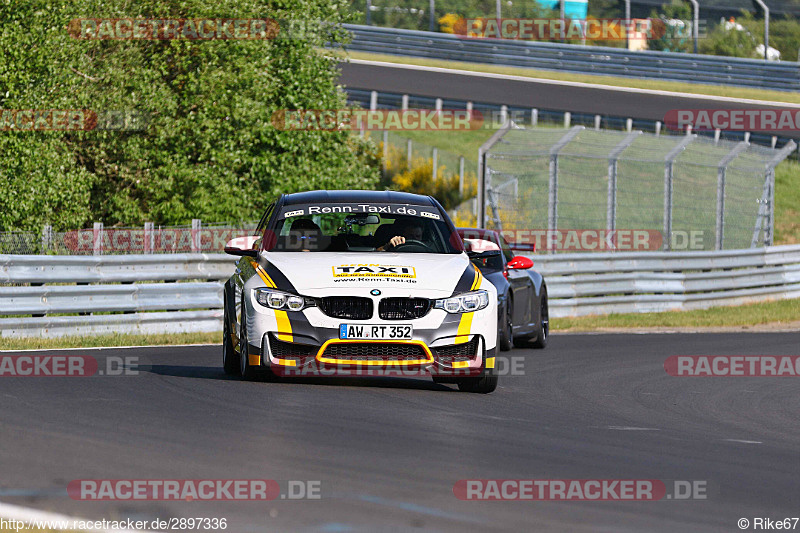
(382, 197)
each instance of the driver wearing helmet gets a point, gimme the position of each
(412, 230)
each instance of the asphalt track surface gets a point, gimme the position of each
(388, 451)
(541, 94)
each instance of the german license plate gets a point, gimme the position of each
(376, 331)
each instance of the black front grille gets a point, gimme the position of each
(282, 350)
(349, 307)
(457, 352)
(403, 308)
(375, 351)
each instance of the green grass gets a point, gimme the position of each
(773, 313)
(787, 203)
(117, 339)
(688, 88)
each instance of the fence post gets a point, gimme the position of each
(669, 160)
(432, 16)
(613, 156)
(47, 238)
(97, 238)
(369, 12)
(384, 163)
(149, 238)
(552, 201)
(767, 208)
(461, 176)
(722, 169)
(483, 170)
(196, 224)
(408, 153)
(435, 163)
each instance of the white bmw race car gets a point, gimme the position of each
(359, 283)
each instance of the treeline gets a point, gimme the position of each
(180, 128)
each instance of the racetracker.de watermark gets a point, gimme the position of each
(546, 29)
(193, 489)
(733, 119)
(200, 29)
(73, 366)
(381, 119)
(733, 365)
(595, 240)
(579, 489)
(72, 120)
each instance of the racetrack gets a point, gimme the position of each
(534, 93)
(388, 451)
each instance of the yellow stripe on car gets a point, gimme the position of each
(284, 326)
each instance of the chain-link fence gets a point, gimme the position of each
(695, 192)
(147, 239)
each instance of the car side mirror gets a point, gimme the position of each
(242, 246)
(519, 262)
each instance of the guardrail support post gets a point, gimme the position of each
(567, 119)
(597, 119)
(435, 163)
(409, 152)
(97, 238)
(404, 104)
(373, 100)
(613, 156)
(669, 160)
(196, 224)
(149, 238)
(47, 238)
(722, 168)
(534, 117)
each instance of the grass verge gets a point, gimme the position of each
(116, 339)
(773, 313)
(634, 83)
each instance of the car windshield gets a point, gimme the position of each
(363, 228)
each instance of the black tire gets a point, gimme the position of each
(483, 385)
(505, 337)
(543, 331)
(247, 372)
(230, 359)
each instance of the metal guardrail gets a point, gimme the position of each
(578, 284)
(670, 66)
(603, 283)
(91, 295)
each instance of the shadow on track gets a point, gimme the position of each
(216, 373)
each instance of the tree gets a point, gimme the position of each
(210, 149)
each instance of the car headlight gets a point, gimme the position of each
(282, 300)
(463, 303)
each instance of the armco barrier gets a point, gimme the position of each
(187, 299)
(582, 59)
(183, 292)
(603, 283)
